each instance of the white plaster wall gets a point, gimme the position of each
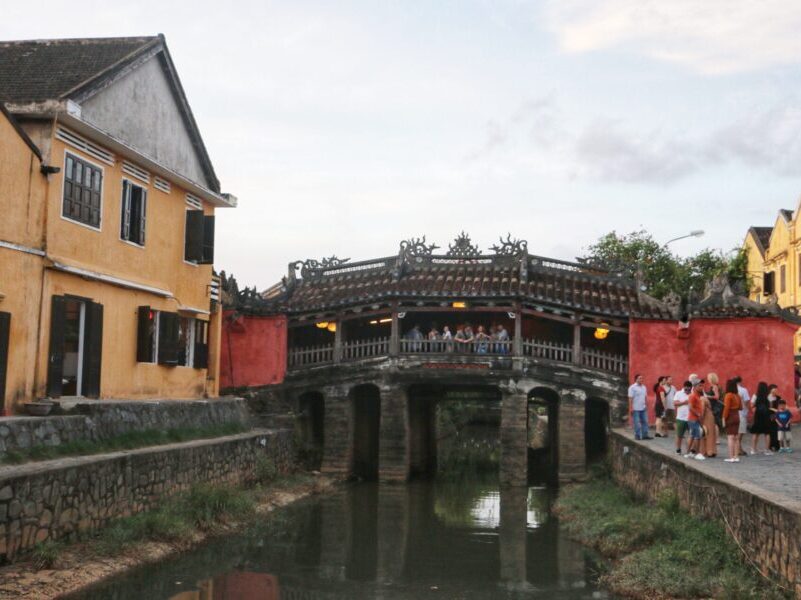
(140, 109)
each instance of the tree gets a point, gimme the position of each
(662, 271)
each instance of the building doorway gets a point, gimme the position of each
(76, 338)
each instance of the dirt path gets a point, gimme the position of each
(80, 566)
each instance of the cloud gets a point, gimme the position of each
(615, 151)
(709, 37)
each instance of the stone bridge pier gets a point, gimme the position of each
(385, 428)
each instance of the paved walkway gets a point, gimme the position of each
(779, 474)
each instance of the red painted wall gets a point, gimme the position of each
(252, 351)
(756, 349)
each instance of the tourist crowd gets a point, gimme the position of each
(494, 339)
(702, 412)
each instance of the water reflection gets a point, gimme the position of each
(444, 540)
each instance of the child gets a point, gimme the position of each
(783, 418)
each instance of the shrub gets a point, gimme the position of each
(45, 555)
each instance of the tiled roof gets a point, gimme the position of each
(562, 285)
(722, 303)
(39, 70)
(787, 214)
(762, 236)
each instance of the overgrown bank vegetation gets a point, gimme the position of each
(204, 509)
(659, 550)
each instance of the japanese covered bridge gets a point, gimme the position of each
(346, 345)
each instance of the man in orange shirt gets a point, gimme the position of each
(694, 419)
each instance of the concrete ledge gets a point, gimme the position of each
(765, 523)
(99, 420)
(60, 499)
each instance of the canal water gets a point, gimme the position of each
(437, 539)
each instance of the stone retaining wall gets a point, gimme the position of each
(766, 525)
(58, 499)
(102, 420)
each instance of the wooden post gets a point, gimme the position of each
(394, 336)
(338, 341)
(577, 341)
(517, 343)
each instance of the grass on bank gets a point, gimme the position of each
(203, 508)
(126, 441)
(664, 552)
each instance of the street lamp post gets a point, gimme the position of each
(696, 233)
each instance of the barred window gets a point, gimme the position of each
(82, 191)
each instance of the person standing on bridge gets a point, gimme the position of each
(732, 403)
(638, 408)
(681, 401)
(697, 408)
(745, 397)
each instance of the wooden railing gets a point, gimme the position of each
(604, 361)
(548, 350)
(310, 355)
(376, 347)
(365, 348)
(456, 347)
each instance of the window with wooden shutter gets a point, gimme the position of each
(55, 359)
(201, 358)
(168, 334)
(5, 334)
(92, 350)
(783, 278)
(193, 243)
(145, 334)
(133, 213)
(208, 241)
(768, 283)
(83, 191)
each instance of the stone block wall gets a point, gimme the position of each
(97, 421)
(766, 525)
(60, 499)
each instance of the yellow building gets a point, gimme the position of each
(774, 263)
(107, 240)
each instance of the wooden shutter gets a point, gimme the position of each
(125, 227)
(201, 345)
(208, 240)
(55, 360)
(168, 339)
(92, 350)
(193, 249)
(5, 333)
(144, 339)
(142, 217)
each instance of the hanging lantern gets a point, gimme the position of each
(332, 327)
(322, 325)
(459, 305)
(601, 332)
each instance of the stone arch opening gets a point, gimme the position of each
(365, 425)
(543, 435)
(453, 430)
(596, 428)
(310, 428)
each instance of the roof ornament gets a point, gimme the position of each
(416, 248)
(311, 267)
(412, 250)
(462, 247)
(510, 247)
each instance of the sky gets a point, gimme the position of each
(345, 127)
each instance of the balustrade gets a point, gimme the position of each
(531, 348)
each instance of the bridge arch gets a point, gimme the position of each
(365, 409)
(310, 428)
(543, 433)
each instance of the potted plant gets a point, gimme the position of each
(39, 408)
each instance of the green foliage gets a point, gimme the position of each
(203, 507)
(45, 555)
(667, 553)
(664, 272)
(126, 441)
(266, 471)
